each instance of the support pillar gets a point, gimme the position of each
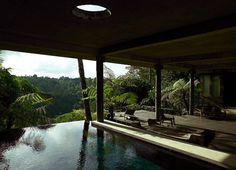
(100, 83)
(191, 93)
(158, 69)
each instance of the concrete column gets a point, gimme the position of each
(158, 69)
(191, 92)
(100, 83)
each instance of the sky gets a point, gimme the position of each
(28, 64)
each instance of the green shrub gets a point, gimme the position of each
(94, 115)
(75, 115)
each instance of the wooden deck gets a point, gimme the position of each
(223, 126)
(218, 135)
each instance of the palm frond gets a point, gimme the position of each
(35, 100)
(179, 84)
(126, 98)
(91, 93)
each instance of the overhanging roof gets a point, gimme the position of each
(197, 34)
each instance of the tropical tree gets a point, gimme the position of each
(9, 91)
(144, 73)
(1, 61)
(130, 84)
(29, 110)
(113, 98)
(84, 87)
(108, 73)
(148, 74)
(20, 103)
(150, 99)
(177, 95)
(65, 91)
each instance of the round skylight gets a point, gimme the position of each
(89, 11)
(91, 8)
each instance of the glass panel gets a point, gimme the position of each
(215, 88)
(206, 85)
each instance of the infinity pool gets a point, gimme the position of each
(77, 145)
(67, 146)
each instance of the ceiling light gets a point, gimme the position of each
(90, 11)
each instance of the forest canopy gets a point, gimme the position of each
(32, 100)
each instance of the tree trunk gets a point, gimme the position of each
(84, 86)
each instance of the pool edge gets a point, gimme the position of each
(218, 158)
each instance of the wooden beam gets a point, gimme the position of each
(219, 66)
(40, 45)
(198, 57)
(100, 84)
(130, 61)
(140, 63)
(186, 31)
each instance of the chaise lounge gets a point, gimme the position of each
(129, 115)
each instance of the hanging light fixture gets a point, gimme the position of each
(90, 9)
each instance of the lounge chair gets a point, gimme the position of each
(170, 118)
(129, 115)
(214, 108)
(162, 119)
(166, 115)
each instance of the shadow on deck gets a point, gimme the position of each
(217, 135)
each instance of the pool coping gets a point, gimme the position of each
(221, 159)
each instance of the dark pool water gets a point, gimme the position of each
(69, 146)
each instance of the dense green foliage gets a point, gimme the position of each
(174, 87)
(119, 93)
(132, 89)
(131, 84)
(65, 91)
(9, 89)
(23, 99)
(30, 110)
(21, 104)
(75, 115)
(148, 75)
(71, 116)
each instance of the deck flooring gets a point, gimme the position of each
(224, 126)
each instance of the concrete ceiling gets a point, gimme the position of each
(176, 33)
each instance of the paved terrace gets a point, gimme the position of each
(225, 126)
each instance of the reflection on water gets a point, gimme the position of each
(74, 145)
(34, 140)
(100, 149)
(82, 156)
(8, 139)
(45, 127)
